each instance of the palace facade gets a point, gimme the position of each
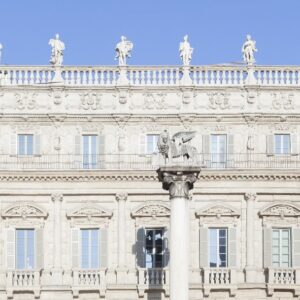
(83, 213)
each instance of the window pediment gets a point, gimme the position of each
(154, 209)
(24, 211)
(218, 210)
(280, 210)
(90, 212)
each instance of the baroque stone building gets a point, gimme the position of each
(83, 214)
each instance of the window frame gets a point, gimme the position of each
(218, 247)
(89, 160)
(154, 143)
(290, 252)
(218, 158)
(25, 135)
(281, 152)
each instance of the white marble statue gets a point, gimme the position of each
(57, 51)
(123, 50)
(248, 50)
(1, 47)
(185, 51)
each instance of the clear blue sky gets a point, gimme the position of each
(91, 28)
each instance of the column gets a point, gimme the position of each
(250, 250)
(179, 181)
(57, 267)
(121, 270)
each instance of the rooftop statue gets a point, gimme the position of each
(57, 51)
(185, 51)
(248, 50)
(177, 146)
(123, 50)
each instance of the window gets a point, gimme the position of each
(218, 149)
(152, 140)
(282, 144)
(25, 144)
(218, 247)
(25, 249)
(89, 151)
(90, 248)
(155, 248)
(281, 248)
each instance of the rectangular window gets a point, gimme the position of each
(90, 248)
(25, 251)
(155, 248)
(89, 151)
(218, 250)
(218, 150)
(152, 140)
(282, 144)
(25, 144)
(281, 248)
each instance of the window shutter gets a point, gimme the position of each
(232, 244)
(77, 144)
(142, 144)
(206, 149)
(10, 243)
(75, 247)
(39, 246)
(203, 247)
(270, 144)
(101, 150)
(13, 144)
(37, 144)
(140, 247)
(296, 247)
(267, 247)
(230, 149)
(166, 247)
(103, 248)
(294, 144)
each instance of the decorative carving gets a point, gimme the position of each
(250, 196)
(218, 210)
(283, 101)
(155, 101)
(58, 94)
(251, 96)
(121, 197)
(24, 211)
(156, 209)
(218, 100)
(282, 127)
(90, 101)
(26, 101)
(57, 197)
(281, 210)
(187, 96)
(90, 212)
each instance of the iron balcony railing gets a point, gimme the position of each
(146, 162)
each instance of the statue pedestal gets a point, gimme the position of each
(186, 78)
(250, 79)
(57, 75)
(179, 180)
(123, 80)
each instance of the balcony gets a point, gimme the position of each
(107, 76)
(145, 162)
(89, 280)
(219, 279)
(23, 281)
(283, 279)
(154, 279)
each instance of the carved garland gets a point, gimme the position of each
(153, 210)
(90, 212)
(24, 211)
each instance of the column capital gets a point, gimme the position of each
(178, 180)
(57, 197)
(121, 196)
(250, 196)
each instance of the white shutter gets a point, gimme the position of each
(39, 248)
(166, 247)
(296, 247)
(13, 144)
(11, 246)
(140, 247)
(103, 248)
(267, 247)
(206, 149)
(203, 249)
(101, 150)
(77, 144)
(232, 244)
(270, 144)
(75, 247)
(37, 144)
(142, 144)
(230, 149)
(294, 144)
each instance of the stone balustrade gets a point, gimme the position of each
(215, 75)
(154, 276)
(282, 276)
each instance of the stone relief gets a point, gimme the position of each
(283, 101)
(155, 101)
(251, 96)
(90, 101)
(281, 210)
(58, 95)
(218, 210)
(282, 127)
(90, 212)
(26, 101)
(24, 211)
(219, 100)
(152, 210)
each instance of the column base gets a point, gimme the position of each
(251, 274)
